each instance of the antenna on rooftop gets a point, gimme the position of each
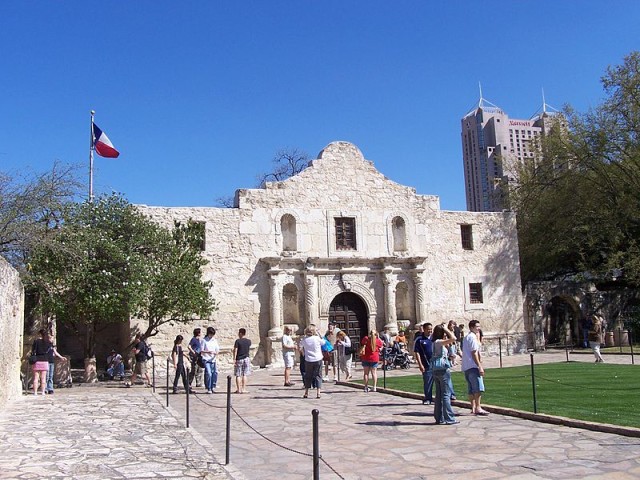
(480, 88)
(544, 103)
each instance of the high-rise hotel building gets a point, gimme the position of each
(492, 146)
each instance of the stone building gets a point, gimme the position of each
(11, 332)
(340, 242)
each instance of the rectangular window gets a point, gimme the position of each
(475, 293)
(466, 232)
(345, 233)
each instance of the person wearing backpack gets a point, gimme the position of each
(141, 352)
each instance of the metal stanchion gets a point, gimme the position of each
(631, 345)
(566, 349)
(228, 437)
(500, 347)
(533, 384)
(167, 382)
(384, 370)
(153, 372)
(188, 392)
(620, 338)
(338, 365)
(316, 445)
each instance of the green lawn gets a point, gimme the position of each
(603, 393)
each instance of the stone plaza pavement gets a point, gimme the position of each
(111, 432)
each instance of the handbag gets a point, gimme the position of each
(200, 361)
(439, 364)
(33, 359)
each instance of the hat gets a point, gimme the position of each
(113, 350)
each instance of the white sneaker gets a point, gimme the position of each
(325, 378)
(366, 389)
(374, 389)
(209, 391)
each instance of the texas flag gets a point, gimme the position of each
(102, 144)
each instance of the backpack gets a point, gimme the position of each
(148, 353)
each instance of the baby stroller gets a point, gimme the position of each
(395, 357)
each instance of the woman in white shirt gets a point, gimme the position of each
(345, 354)
(312, 346)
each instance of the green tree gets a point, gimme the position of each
(106, 262)
(578, 205)
(175, 291)
(30, 206)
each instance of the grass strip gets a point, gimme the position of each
(602, 393)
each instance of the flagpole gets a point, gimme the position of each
(93, 112)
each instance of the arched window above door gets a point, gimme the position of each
(399, 234)
(289, 234)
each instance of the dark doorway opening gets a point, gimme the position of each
(350, 314)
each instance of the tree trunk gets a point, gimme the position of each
(90, 371)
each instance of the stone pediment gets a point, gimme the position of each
(340, 176)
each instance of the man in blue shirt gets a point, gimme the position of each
(195, 347)
(423, 350)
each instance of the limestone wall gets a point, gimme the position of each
(11, 331)
(242, 242)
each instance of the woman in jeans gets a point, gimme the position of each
(311, 344)
(442, 337)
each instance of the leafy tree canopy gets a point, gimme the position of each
(107, 262)
(578, 204)
(30, 206)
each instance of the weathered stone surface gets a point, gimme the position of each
(404, 243)
(11, 327)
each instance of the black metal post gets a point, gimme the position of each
(153, 372)
(228, 437)
(167, 382)
(533, 384)
(188, 392)
(338, 366)
(316, 445)
(500, 348)
(620, 338)
(631, 345)
(384, 370)
(566, 349)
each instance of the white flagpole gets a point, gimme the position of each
(91, 159)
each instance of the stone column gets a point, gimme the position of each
(390, 282)
(275, 307)
(310, 300)
(421, 307)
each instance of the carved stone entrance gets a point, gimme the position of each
(349, 312)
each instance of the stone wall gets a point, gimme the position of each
(11, 331)
(250, 263)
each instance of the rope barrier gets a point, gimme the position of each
(263, 436)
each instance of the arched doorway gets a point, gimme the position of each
(563, 321)
(349, 312)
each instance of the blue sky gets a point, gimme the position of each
(198, 96)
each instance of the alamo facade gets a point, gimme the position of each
(341, 242)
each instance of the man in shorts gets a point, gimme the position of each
(140, 353)
(472, 367)
(242, 366)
